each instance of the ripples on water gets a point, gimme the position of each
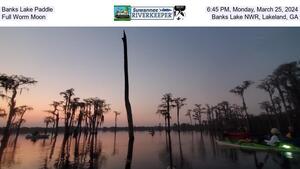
(149, 152)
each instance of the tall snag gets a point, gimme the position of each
(128, 106)
(127, 102)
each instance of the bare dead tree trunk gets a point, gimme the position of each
(178, 123)
(247, 115)
(127, 102)
(169, 131)
(128, 106)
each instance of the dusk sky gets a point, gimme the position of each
(201, 64)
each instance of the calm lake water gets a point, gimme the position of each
(149, 152)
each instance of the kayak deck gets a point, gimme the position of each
(259, 147)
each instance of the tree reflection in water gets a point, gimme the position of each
(87, 153)
(180, 150)
(183, 162)
(129, 154)
(115, 150)
(178, 159)
(91, 151)
(164, 155)
(260, 165)
(212, 141)
(202, 149)
(8, 152)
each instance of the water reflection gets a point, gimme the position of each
(180, 150)
(260, 164)
(78, 153)
(115, 150)
(109, 150)
(129, 154)
(201, 148)
(9, 154)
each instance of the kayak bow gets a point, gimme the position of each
(283, 147)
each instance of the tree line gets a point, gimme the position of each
(281, 110)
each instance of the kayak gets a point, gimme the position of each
(152, 132)
(282, 147)
(237, 135)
